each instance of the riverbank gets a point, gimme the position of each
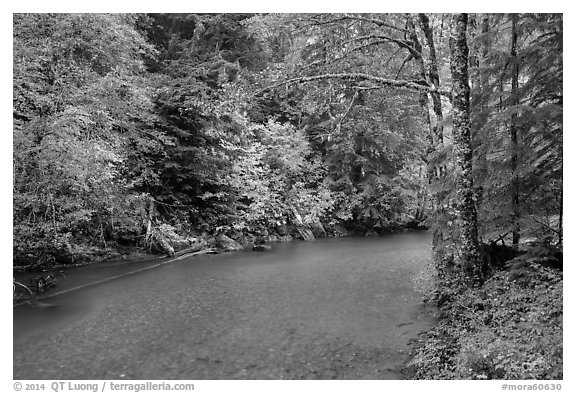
(41, 276)
(510, 328)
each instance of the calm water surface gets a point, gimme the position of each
(333, 308)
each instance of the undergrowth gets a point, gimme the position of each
(510, 328)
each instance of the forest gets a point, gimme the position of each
(176, 133)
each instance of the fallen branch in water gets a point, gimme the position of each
(21, 285)
(189, 252)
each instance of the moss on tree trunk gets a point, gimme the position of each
(468, 247)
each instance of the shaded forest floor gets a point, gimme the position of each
(510, 328)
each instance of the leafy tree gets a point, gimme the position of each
(364, 133)
(78, 97)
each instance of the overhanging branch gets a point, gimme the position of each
(384, 82)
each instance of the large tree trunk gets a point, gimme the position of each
(468, 247)
(515, 100)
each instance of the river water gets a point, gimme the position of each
(341, 308)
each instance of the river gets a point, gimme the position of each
(341, 308)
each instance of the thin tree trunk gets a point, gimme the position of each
(560, 219)
(515, 100)
(434, 78)
(435, 144)
(468, 247)
(423, 101)
(485, 47)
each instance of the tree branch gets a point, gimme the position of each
(377, 22)
(408, 58)
(545, 225)
(339, 125)
(410, 85)
(360, 47)
(402, 43)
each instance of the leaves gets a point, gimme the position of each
(509, 329)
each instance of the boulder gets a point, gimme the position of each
(339, 231)
(286, 238)
(318, 229)
(224, 243)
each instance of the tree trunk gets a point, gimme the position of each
(515, 100)
(485, 48)
(423, 99)
(468, 247)
(435, 144)
(560, 239)
(434, 77)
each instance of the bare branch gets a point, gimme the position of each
(407, 59)
(391, 57)
(352, 101)
(360, 47)
(545, 225)
(314, 63)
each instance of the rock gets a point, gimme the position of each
(235, 235)
(282, 230)
(261, 247)
(163, 244)
(338, 231)
(224, 243)
(318, 229)
(286, 238)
